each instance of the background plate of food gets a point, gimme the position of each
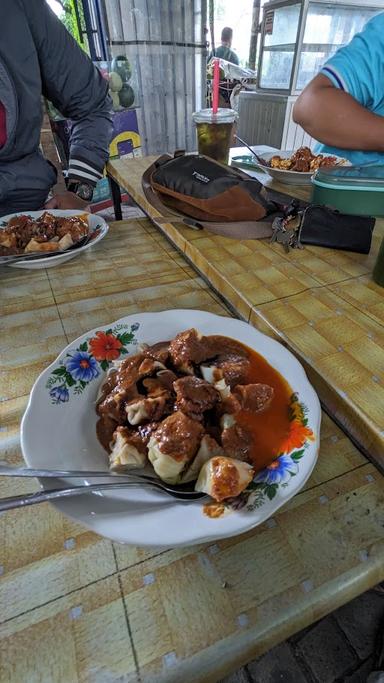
(292, 167)
(220, 405)
(36, 236)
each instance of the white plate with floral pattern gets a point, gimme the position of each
(58, 431)
(97, 226)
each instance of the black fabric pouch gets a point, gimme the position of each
(322, 226)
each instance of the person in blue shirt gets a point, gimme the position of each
(343, 106)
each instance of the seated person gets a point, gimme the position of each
(343, 106)
(39, 57)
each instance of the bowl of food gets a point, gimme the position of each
(193, 398)
(289, 166)
(43, 239)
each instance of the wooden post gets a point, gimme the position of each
(211, 19)
(254, 32)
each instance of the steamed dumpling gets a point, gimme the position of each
(223, 477)
(209, 448)
(173, 445)
(208, 372)
(227, 421)
(146, 409)
(223, 388)
(128, 452)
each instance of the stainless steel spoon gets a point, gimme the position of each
(11, 471)
(260, 159)
(52, 494)
(185, 492)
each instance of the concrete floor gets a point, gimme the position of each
(337, 649)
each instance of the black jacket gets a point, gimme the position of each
(39, 57)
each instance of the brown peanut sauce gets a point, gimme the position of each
(214, 510)
(267, 428)
(226, 480)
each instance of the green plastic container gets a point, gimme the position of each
(356, 190)
(378, 271)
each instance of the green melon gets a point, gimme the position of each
(126, 96)
(115, 81)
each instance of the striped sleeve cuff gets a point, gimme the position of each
(81, 170)
(334, 76)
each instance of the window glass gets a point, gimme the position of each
(327, 28)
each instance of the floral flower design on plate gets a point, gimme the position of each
(105, 346)
(83, 364)
(278, 474)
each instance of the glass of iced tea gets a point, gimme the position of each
(214, 132)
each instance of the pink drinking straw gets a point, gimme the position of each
(215, 94)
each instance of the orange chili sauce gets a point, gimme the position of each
(270, 427)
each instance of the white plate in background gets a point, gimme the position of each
(282, 176)
(95, 222)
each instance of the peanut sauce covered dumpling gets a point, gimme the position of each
(174, 406)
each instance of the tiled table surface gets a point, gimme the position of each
(321, 303)
(75, 607)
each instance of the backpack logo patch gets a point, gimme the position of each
(199, 176)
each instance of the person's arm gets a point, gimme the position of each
(333, 117)
(76, 88)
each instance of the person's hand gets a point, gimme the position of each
(67, 200)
